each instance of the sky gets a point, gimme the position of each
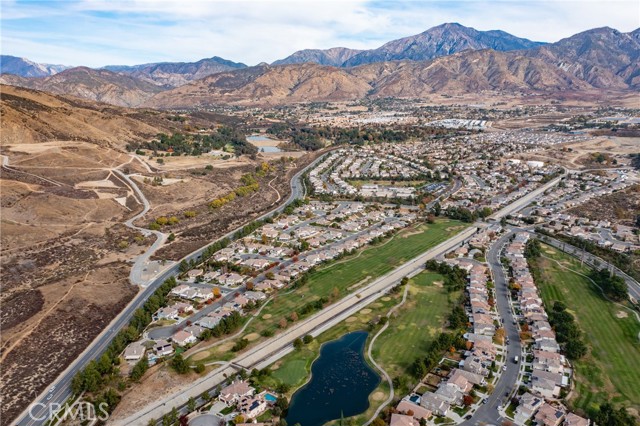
(109, 32)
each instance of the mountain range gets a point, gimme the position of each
(449, 58)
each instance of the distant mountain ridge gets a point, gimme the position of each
(442, 40)
(23, 67)
(601, 58)
(96, 85)
(335, 56)
(177, 73)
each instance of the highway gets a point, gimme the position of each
(60, 390)
(271, 350)
(524, 201)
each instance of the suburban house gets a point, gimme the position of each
(403, 420)
(435, 404)
(183, 338)
(252, 406)
(528, 405)
(163, 348)
(575, 420)
(167, 313)
(232, 394)
(408, 407)
(134, 352)
(548, 415)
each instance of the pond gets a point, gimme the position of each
(341, 382)
(262, 142)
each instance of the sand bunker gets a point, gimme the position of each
(378, 396)
(365, 311)
(621, 314)
(251, 337)
(351, 319)
(267, 316)
(200, 356)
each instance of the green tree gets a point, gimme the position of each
(191, 404)
(179, 364)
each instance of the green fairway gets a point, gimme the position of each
(415, 324)
(349, 274)
(610, 371)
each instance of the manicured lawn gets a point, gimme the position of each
(610, 370)
(294, 369)
(348, 274)
(414, 325)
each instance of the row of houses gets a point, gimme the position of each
(473, 370)
(550, 369)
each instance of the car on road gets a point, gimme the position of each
(504, 368)
(468, 417)
(484, 401)
(515, 359)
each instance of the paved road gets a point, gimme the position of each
(60, 389)
(135, 276)
(269, 351)
(488, 413)
(524, 201)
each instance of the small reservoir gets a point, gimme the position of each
(341, 381)
(264, 143)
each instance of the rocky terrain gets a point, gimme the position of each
(26, 68)
(456, 74)
(443, 40)
(335, 56)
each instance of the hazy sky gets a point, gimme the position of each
(102, 32)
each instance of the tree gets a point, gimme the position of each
(179, 364)
(297, 344)
(282, 323)
(307, 339)
(191, 404)
(293, 316)
(467, 400)
(200, 368)
(184, 266)
(575, 349)
(418, 369)
(139, 369)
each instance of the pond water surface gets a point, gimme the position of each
(341, 382)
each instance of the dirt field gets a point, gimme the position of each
(580, 155)
(620, 207)
(207, 225)
(63, 270)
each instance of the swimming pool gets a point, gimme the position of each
(270, 398)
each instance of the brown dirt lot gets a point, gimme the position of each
(64, 276)
(173, 200)
(620, 207)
